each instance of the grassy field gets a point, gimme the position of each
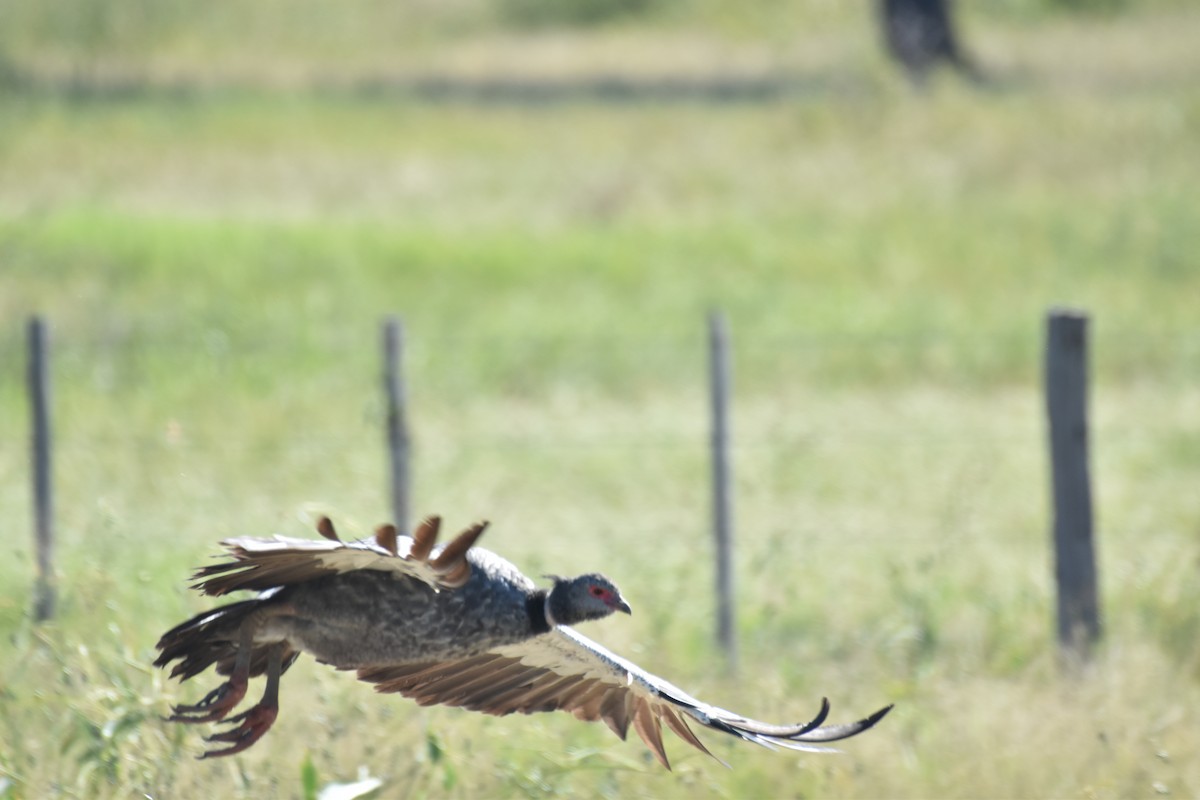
(215, 226)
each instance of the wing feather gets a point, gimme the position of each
(529, 696)
(385, 537)
(326, 529)
(454, 552)
(563, 670)
(260, 564)
(681, 729)
(424, 537)
(646, 724)
(587, 706)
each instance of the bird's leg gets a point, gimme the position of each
(220, 701)
(259, 719)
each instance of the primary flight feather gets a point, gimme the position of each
(456, 625)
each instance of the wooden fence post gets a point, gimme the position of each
(1066, 382)
(719, 383)
(43, 487)
(397, 421)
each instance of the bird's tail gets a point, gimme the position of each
(211, 638)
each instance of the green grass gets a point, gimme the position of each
(215, 264)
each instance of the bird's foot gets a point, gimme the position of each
(253, 724)
(215, 705)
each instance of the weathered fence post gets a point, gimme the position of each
(43, 488)
(1066, 383)
(719, 382)
(397, 420)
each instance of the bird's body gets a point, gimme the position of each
(459, 626)
(367, 617)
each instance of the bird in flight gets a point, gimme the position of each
(454, 625)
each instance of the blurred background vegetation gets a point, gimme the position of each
(213, 205)
(281, 39)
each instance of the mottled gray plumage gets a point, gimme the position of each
(456, 625)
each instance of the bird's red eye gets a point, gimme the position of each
(598, 592)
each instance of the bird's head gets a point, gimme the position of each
(592, 596)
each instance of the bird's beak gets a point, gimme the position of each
(621, 605)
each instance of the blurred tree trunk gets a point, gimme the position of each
(920, 34)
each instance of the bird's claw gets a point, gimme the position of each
(215, 705)
(253, 724)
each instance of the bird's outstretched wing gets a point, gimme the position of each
(563, 670)
(260, 564)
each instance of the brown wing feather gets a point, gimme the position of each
(679, 725)
(563, 670)
(500, 685)
(259, 564)
(424, 537)
(448, 559)
(326, 529)
(615, 711)
(385, 537)
(646, 724)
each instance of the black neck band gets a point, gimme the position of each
(535, 607)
